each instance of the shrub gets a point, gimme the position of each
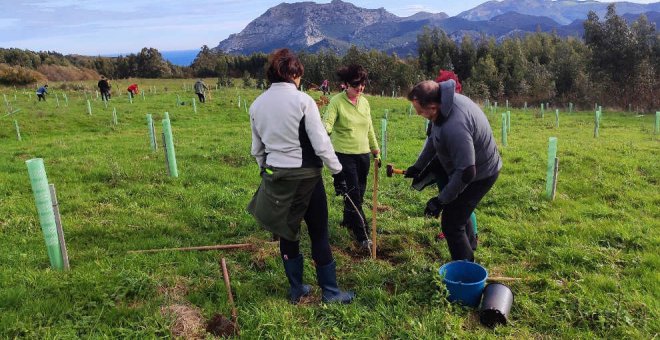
(67, 73)
(18, 75)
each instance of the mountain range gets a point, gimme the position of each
(337, 25)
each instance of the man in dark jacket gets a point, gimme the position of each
(462, 141)
(104, 88)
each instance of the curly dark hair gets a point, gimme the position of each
(352, 74)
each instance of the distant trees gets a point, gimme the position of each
(615, 64)
(623, 59)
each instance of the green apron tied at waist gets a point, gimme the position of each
(281, 201)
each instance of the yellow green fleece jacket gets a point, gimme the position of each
(349, 126)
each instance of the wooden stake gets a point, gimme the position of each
(58, 225)
(374, 209)
(167, 161)
(234, 312)
(200, 248)
(554, 178)
(503, 279)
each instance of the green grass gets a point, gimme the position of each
(590, 258)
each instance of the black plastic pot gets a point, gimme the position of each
(495, 305)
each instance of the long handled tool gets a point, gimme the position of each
(374, 203)
(234, 313)
(357, 211)
(200, 248)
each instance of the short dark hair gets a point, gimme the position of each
(425, 92)
(352, 74)
(283, 65)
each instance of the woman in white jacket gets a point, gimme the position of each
(290, 145)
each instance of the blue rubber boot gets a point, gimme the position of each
(294, 272)
(327, 278)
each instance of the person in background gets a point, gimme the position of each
(200, 87)
(348, 122)
(462, 142)
(42, 92)
(104, 88)
(290, 146)
(133, 90)
(325, 87)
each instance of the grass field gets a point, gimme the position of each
(589, 260)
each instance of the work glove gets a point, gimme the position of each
(412, 172)
(376, 154)
(338, 180)
(433, 207)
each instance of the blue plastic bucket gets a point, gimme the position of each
(465, 281)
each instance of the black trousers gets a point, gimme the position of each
(41, 97)
(105, 95)
(455, 219)
(356, 170)
(316, 219)
(202, 99)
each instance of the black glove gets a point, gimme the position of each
(341, 188)
(433, 208)
(412, 172)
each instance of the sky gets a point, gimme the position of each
(104, 27)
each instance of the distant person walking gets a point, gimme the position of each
(325, 87)
(200, 88)
(133, 90)
(104, 88)
(41, 92)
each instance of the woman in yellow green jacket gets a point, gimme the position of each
(348, 122)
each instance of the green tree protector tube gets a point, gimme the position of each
(152, 132)
(89, 107)
(542, 110)
(114, 116)
(504, 136)
(18, 130)
(557, 118)
(508, 121)
(194, 105)
(167, 130)
(552, 154)
(166, 115)
(39, 182)
(657, 122)
(596, 124)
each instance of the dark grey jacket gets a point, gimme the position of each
(461, 137)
